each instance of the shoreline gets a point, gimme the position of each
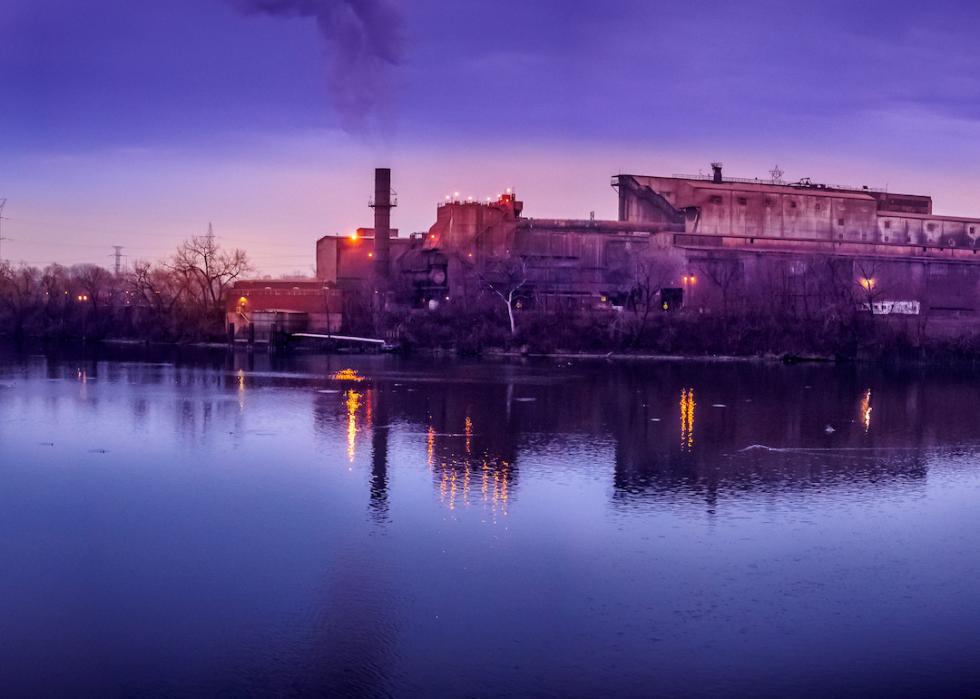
(510, 355)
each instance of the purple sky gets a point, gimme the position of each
(136, 123)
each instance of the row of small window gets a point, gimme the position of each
(931, 227)
(743, 201)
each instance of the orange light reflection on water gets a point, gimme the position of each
(353, 403)
(866, 410)
(687, 406)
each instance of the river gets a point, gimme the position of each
(240, 525)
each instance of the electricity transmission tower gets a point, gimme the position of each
(118, 256)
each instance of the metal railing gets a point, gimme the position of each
(804, 183)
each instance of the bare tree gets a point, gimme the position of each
(208, 270)
(725, 274)
(505, 277)
(868, 284)
(56, 285)
(96, 284)
(20, 295)
(650, 275)
(157, 289)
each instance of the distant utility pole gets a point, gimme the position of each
(3, 203)
(210, 234)
(118, 256)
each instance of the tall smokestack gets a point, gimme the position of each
(382, 227)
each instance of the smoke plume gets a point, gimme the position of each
(363, 42)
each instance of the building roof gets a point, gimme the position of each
(763, 186)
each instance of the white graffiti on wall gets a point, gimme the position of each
(884, 308)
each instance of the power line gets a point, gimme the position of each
(3, 203)
(176, 238)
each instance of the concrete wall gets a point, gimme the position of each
(763, 210)
(347, 260)
(943, 290)
(252, 301)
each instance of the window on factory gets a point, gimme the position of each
(742, 201)
(840, 222)
(817, 207)
(973, 230)
(888, 224)
(792, 205)
(769, 202)
(930, 227)
(714, 200)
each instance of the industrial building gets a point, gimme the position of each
(702, 244)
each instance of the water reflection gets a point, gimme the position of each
(353, 404)
(347, 374)
(166, 510)
(473, 434)
(687, 419)
(865, 410)
(475, 427)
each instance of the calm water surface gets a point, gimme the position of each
(373, 526)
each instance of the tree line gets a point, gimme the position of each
(180, 298)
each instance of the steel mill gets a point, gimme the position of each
(695, 243)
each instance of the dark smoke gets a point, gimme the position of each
(363, 42)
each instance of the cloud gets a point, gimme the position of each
(363, 42)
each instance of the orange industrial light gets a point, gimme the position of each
(868, 283)
(353, 236)
(242, 301)
(370, 254)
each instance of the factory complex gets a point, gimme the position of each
(704, 244)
